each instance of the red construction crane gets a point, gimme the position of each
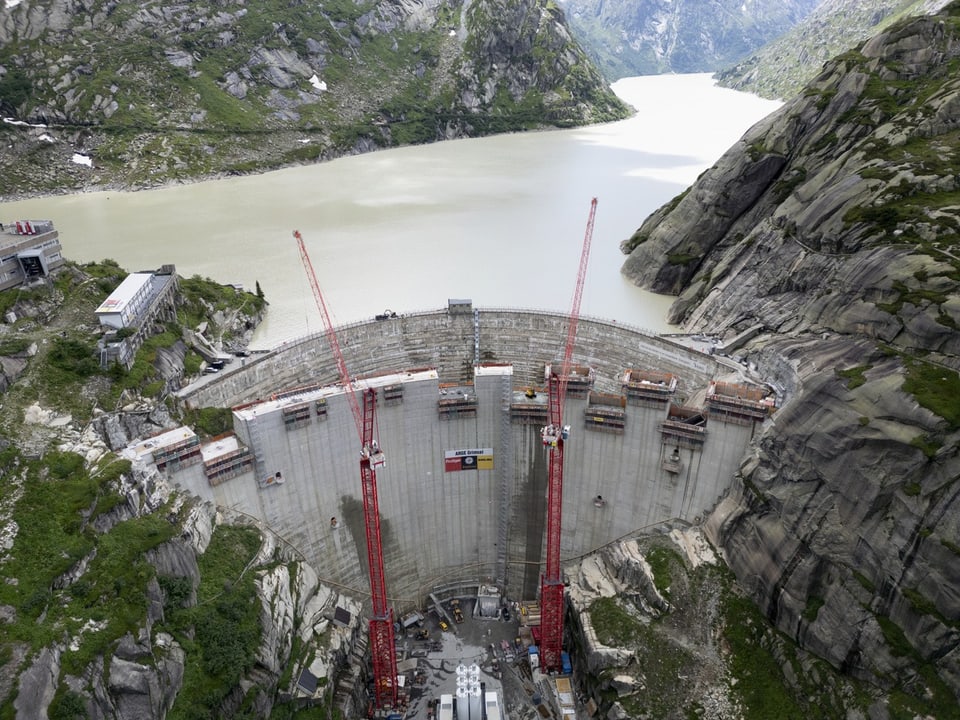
(382, 651)
(554, 435)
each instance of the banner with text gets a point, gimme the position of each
(473, 459)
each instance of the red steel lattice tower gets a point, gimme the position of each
(382, 651)
(554, 435)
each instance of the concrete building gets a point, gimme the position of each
(135, 310)
(462, 495)
(29, 249)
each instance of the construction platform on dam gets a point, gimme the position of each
(658, 431)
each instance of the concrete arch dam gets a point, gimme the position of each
(463, 494)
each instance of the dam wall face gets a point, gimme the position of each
(462, 496)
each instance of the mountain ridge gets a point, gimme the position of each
(152, 93)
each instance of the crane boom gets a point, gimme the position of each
(554, 437)
(382, 651)
(575, 304)
(331, 334)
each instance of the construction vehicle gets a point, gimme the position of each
(554, 436)
(457, 612)
(382, 650)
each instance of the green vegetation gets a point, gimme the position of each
(812, 609)
(756, 150)
(67, 706)
(662, 660)
(894, 637)
(662, 560)
(915, 296)
(761, 691)
(922, 605)
(951, 546)
(15, 90)
(912, 489)
(787, 184)
(13, 346)
(79, 550)
(202, 297)
(635, 240)
(59, 499)
(865, 582)
(210, 421)
(143, 375)
(854, 376)
(682, 258)
(221, 633)
(935, 387)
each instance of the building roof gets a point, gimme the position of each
(159, 442)
(219, 447)
(125, 292)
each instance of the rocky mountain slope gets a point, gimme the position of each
(137, 94)
(783, 66)
(648, 37)
(831, 228)
(121, 596)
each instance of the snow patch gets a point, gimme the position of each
(81, 159)
(318, 83)
(21, 123)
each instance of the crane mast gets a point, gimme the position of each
(554, 436)
(382, 650)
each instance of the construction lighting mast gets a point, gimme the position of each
(382, 651)
(554, 435)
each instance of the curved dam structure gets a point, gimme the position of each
(655, 437)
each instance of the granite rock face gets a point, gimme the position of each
(838, 510)
(831, 228)
(141, 675)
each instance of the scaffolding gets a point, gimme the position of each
(529, 407)
(457, 401)
(296, 416)
(738, 404)
(684, 427)
(649, 388)
(606, 412)
(229, 466)
(579, 379)
(393, 394)
(179, 455)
